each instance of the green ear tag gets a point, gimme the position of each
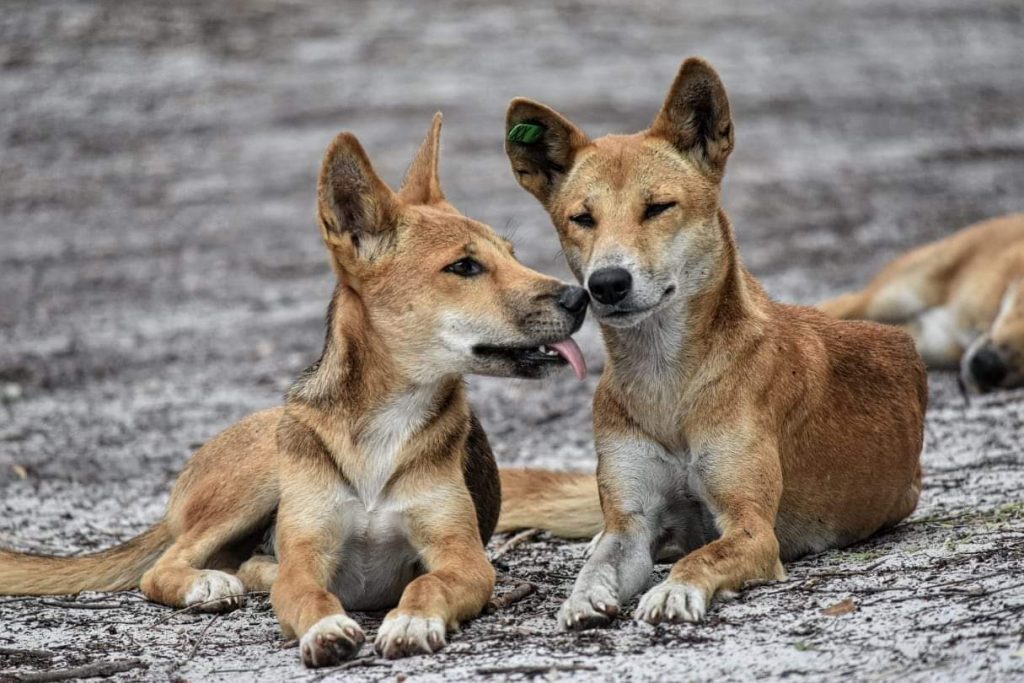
(525, 133)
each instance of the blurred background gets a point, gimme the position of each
(160, 269)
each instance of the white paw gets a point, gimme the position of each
(592, 546)
(214, 591)
(331, 641)
(595, 605)
(672, 602)
(403, 635)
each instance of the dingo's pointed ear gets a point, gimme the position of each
(356, 209)
(696, 117)
(422, 184)
(541, 144)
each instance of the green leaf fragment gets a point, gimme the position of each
(525, 133)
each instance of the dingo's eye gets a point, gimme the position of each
(653, 210)
(465, 267)
(584, 219)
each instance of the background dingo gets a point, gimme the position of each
(961, 299)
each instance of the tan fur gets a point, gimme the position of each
(565, 504)
(734, 428)
(957, 297)
(374, 485)
(116, 569)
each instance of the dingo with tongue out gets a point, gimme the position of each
(373, 487)
(729, 428)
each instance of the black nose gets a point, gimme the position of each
(610, 285)
(573, 299)
(988, 367)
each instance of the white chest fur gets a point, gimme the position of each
(648, 362)
(376, 560)
(383, 441)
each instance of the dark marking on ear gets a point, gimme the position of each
(552, 171)
(541, 145)
(325, 221)
(542, 156)
(352, 199)
(696, 116)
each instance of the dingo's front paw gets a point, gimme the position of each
(672, 602)
(331, 641)
(594, 606)
(215, 591)
(405, 635)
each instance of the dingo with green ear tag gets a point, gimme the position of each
(731, 429)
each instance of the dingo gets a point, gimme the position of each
(374, 484)
(729, 427)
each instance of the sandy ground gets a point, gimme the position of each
(160, 277)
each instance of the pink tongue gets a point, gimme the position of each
(568, 350)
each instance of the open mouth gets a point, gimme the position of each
(563, 352)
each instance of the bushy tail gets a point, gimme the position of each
(119, 568)
(849, 306)
(565, 504)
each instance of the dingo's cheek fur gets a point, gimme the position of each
(731, 429)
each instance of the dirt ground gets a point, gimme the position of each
(161, 276)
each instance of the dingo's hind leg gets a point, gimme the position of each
(179, 579)
(214, 519)
(258, 573)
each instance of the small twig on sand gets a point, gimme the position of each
(516, 540)
(71, 604)
(860, 571)
(11, 601)
(995, 615)
(971, 592)
(801, 583)
(18, 652)
(199, 640)
(175, 613)
(521, 590)
(94, 670)
(371, 660)
(532, 670)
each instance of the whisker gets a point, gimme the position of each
(511, 229)
(963, 390)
